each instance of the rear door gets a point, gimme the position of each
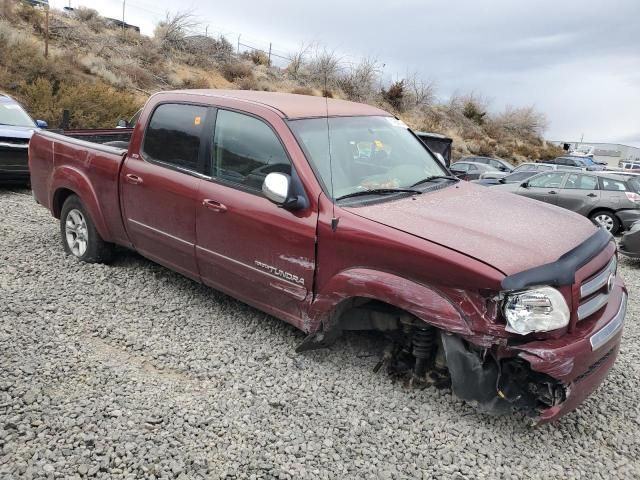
(580, 193)
(246, 245)
(544, 187)
(159, 187)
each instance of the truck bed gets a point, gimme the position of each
(82, 166)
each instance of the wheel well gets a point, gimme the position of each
(59, 198)
(602, 209)
(362, 313)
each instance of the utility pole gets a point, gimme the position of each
(206, 31)
(269, 53)
(239, 43)
(124, 2)
(46, 32)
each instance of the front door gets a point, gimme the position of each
(160, 187)
(544, 187)
(246, 245)
(580, 193)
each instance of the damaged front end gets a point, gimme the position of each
(498, 386)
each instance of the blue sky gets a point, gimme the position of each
(576, 61)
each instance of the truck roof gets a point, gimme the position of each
(291, 105)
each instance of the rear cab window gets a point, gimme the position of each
(173, 136)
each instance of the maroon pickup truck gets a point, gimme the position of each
(333, 216)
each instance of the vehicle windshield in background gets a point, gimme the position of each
(367, 153)
(13, 114)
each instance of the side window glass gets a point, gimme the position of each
(460, 167)
(548, 180)
(582, 182)
(246, 150)
(173, 135)
(612, 185)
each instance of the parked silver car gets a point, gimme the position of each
(609, 200)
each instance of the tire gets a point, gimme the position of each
(79, 235)
(606, 220)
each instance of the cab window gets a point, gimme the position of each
(246, 150)
(173, 136)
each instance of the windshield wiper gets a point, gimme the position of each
(435, 177)
(378, 191)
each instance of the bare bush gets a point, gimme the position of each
(323, 68)
(172, 32)
(421, 93)
(523, 121)
(207, 50)
(297, 60)
(358, 83)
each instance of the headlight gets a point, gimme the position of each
(537, 310)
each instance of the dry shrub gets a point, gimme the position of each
(235, 69)
(258, 57)
(358, 83)
(306, 91)
(197, 82)
(91, 18)
(91, 104)
(98, 66)
(32, 16)
(7, 10)
(251, 83)
(395, 95)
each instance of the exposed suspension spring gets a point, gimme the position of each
(424, 343)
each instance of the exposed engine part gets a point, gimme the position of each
(498, 386)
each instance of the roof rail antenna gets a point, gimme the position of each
(334, 220)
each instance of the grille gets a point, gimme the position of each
(594, 292)
(14, 142)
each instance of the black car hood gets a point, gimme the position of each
(11, 131)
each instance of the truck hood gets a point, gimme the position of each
(509, 232)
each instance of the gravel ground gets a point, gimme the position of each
(132, 371)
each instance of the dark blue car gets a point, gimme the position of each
(16, 128)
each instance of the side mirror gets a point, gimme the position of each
(503, 169)
(525, 184)
(278, 188)
(42, 124)
(441, 158)
(122, 123)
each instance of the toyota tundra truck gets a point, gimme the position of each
(333, 216)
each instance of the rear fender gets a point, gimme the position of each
(66, 177)
(419, 300)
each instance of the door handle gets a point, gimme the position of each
(592, 195)
(133, 179)
(553, 192)
(214, 206)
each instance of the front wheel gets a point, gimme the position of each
(79, 235)
(606, 220)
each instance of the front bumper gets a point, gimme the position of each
(628, 217)
(581, 360)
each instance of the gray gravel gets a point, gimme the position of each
(132, 371)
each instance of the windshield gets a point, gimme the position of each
(366, 153)
(13, 114)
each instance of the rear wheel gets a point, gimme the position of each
(606, 220)
(79, 235)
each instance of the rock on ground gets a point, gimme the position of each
(132, 371)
